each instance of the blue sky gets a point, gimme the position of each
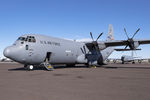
(74, 19)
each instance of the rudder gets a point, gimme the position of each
(110, 36)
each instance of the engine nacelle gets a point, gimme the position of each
(136, 44)
(101, 46)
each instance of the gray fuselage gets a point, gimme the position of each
(33, 49)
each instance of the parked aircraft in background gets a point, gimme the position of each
(0, 59)
(128, 58)
(131, 58)
(34, 50)
(5, 60)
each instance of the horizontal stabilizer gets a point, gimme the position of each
(126, 49)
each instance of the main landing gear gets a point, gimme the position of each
(48, 66)
(91, 65)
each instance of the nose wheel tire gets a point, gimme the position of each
(29, 67)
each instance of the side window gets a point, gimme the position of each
(33, 39)
(29, 40)
(27, 47)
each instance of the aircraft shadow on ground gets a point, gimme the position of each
(17, 69)
(23, 69)
(120, 67)
(43, 68)
(66, 67)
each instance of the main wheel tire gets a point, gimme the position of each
(114, 61)
(48, 66)
(140, 61)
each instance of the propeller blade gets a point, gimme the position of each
(99, 36)
(126, 33)
(82, 50)
(135, 33)
(91, 36)
(126, 46)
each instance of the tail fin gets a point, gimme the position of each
(106, 52)
(110, 33)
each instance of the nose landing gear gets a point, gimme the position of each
(29, 67)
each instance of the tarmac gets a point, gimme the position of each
(109, 82)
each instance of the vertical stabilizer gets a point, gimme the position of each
(110, 33)
(106, 52)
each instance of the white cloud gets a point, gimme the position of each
(84, 40)
(81, 40)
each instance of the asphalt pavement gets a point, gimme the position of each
(109, 82)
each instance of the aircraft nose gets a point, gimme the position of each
(7, 52)
(14, 53)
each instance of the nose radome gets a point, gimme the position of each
(7, 52)
(13, 53)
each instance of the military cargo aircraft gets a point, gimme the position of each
(34, 50)
(131, 58)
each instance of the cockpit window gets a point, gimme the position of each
(21, 38)
(27, 39)
(30, 39)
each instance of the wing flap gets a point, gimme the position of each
(125, 49)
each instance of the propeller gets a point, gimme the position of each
(94, 42)
(84, 51)
(135, 33)
(130, 41)
(93, 46)
(91, 36)
(93, 49)
(126, 33)
(97, 37)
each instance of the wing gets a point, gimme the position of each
(133, 44)
(124, 42)
(144, 41)
(116, 43)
